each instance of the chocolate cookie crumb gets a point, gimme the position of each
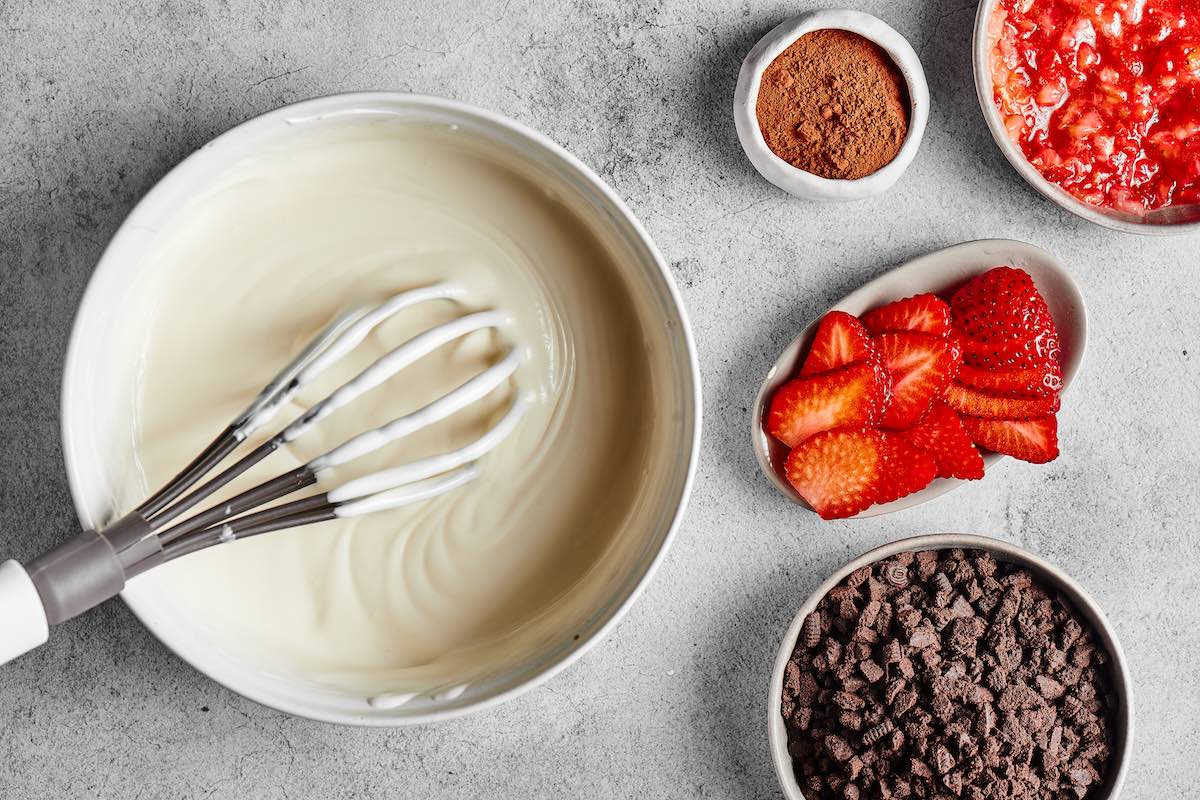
(896, 575)
(812, 630)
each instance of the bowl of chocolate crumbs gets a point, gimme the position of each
(950, 666)
(831, 105)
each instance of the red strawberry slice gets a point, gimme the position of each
(921, 366)
(848, 396)
(926, 313)
(883, 379)
(838, 471)
(942, 436)
(1033, 440)
(1040, 381)
(975, 403)
(840, 340)
(906, 470)
(1039, 350)
(1001, 305)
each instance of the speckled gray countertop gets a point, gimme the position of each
(100, 99)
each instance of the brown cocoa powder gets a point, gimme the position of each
(834, 104)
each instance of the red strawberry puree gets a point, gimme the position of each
(1104, 97)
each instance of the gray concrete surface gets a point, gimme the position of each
(100, 99)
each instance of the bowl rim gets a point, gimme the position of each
(1045, 571)
(980, 52)
(792, 179)
(239, 677)
(959, 257)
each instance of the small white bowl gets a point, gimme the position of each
(1051, 576)
(934, 272)
(805, 184)
(1165, 221)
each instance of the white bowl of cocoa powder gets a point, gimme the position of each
(831, 105)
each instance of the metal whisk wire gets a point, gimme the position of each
(389, 488)
(94, 565)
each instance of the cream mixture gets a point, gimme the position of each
(428, 597)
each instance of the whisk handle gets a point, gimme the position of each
(78, 574)
(23, 624)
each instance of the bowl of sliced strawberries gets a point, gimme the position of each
(923, 379)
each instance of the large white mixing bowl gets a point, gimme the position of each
(96, 416)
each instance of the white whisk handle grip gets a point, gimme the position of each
(23, 624)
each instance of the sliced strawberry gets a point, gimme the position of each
(848, 396)
(906, 470)
(1001, 305)
(926, 313)
(1039, 381)
(921, 366)
(840, 340)
(975, 403)
(838, 471)
(883, 378)
(1033, 440)
(1040, 350)
(942, 436)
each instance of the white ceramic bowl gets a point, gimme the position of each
(1051, 576)
(1171, 220)
(935, 272)
(806, 184)
(94, 421)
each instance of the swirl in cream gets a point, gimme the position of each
(425, 598)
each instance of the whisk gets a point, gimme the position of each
(94, 565)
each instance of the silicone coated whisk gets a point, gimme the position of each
(95, 565)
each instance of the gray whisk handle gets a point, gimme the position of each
(93, 566)
(78, 574)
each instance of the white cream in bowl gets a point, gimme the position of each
(458, 599)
